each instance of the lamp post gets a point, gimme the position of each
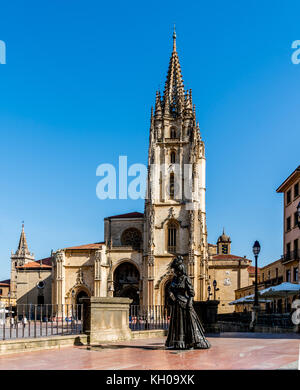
(256, 250)
(209, 293)
(215, 288)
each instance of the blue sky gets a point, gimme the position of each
(77, 91)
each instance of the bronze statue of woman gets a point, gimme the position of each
(185, 330)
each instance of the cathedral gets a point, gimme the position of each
(133, 259)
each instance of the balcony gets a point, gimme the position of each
(273, 281)
(291, 256)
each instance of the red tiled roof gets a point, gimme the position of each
(46, 264)
(251, 269)
(228, 257)
(96, 245)
(135, 214)
(5, 283)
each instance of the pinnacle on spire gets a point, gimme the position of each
(173, 98)
(158, 110)
(174, 39)
(23, 247)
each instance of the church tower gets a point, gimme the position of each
(223, 244)
(175, 218)
(19, 258)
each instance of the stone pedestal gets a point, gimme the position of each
(106, 319)
(207, 312)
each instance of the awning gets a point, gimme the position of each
(248, 299)
(281, 290)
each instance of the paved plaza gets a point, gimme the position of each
(229, 351)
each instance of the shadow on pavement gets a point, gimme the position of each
(249, 335)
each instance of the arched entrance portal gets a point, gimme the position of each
(81, 294)
(126, 282)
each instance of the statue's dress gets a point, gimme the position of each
(185, 330)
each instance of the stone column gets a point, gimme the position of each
(106, 319)
(97, 274)
(60, 281)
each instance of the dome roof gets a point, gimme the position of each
(224, 238)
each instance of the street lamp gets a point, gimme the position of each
(209, 293)
(256, 250)
(215, 288)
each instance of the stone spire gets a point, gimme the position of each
(23, 247)
(173, 98)
(158, 110)
(23, 252)
(19, 258)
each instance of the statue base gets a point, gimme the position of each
(207, 312)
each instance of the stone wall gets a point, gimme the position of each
(27, 290)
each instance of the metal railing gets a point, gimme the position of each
(292, 255)
(241, 320)
(149, 317)
(29, 320)
(275, 320)
(273, 281)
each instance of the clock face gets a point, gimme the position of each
(227, 282)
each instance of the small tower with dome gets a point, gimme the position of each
(223, 244)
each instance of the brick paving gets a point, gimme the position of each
(228, 351)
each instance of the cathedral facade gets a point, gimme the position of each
(133, 259)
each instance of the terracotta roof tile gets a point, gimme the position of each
(251, 269)
(46, 264)
(135, 214)
(5, 283)
(228, 257)
(96, 245)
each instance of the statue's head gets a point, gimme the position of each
(178, 265)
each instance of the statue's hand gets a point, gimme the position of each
(190, 303)
(172, 297)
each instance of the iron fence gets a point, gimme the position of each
(275, 320)
(292, 255)
(243, 318)
(149, 317)
(29, 320)
(240, 321)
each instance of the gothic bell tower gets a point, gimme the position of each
(175, 218)
(19, 258)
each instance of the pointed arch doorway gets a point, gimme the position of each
(80, 294)
(126, 282)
